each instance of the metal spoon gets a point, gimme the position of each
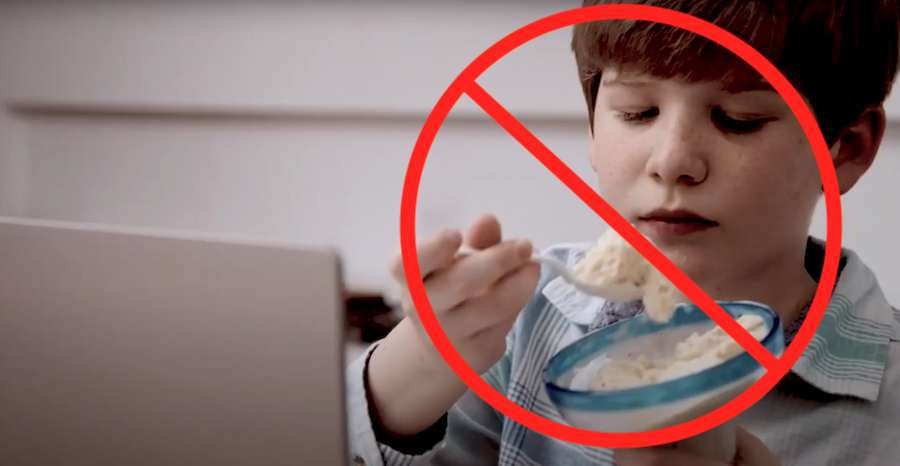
(614, 292)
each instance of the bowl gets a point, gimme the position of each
(660, 405)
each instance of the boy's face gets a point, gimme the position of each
(723, 181)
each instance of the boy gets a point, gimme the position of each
(695, 149)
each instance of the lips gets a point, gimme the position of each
(677, 215)
(676, 222)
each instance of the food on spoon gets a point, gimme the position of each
(619, 268)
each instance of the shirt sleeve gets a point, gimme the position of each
(468, 435)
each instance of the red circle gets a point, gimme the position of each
(411, 260)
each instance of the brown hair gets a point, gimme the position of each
(841, 54)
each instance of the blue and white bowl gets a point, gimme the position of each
(659, 405)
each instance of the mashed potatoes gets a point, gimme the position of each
(615, 265)
(697, 353)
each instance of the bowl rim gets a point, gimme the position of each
(670, 391)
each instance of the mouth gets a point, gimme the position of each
(677, 216)
(676, 222)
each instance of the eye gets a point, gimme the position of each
(738, 126)
(637, 117)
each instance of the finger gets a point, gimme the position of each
(661, 457)
(474, 274)
(502, 302)
(435, 251)
(516, 285)
(484, 232)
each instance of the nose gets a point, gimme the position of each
(680, 157)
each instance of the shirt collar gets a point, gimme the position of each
(579, 308)
(847, 355)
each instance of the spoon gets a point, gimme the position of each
(613, 292)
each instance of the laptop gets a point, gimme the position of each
(126, 347)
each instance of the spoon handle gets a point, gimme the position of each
(559, 266)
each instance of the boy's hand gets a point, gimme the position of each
(476, 299)
(750, 452)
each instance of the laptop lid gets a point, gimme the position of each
(122, 347)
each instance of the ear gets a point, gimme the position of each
(856, 147)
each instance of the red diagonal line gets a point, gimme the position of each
(616, 221)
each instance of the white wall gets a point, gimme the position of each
(296, 123)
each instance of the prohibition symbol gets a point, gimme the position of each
(776, 368)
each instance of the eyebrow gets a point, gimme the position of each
(735, 87)
(747, 85)
(624, 82)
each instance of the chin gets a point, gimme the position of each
(699, 264)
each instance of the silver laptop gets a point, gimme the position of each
(128, 348)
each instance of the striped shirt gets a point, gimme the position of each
(839, 405)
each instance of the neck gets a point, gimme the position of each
(782, 284)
